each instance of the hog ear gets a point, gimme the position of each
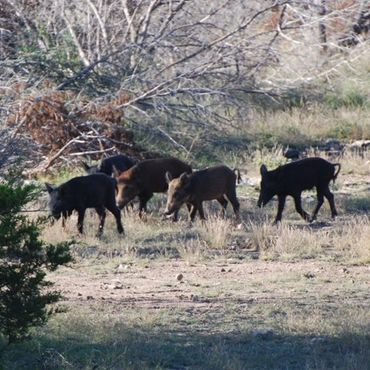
(85, 166)
(263, 170)
(168, 177)
(49, 187)
(116, 171)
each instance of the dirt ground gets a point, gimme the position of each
(201, 286)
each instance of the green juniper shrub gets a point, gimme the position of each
(24, 260)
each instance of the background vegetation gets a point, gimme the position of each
(188, 77)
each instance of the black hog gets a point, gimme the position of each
(120, 162)
(93, 191)
(146, 178)
(292, 178)
(211, 183)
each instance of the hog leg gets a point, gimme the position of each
(330, 197)
(65, 215)
(201, 211)
(299, 209)
(175, 216)
(101, 212)
(231, 194)
(80, 219)
(223, 203)
(281, 204)
(189, 207)
(112, 208)
(320, 201)
(64, 219)
(143, 201)
(193, 212)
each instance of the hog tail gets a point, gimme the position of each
(336, 173)
(238, 177)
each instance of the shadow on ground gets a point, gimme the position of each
(160, 348)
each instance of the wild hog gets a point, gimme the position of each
(211, 183)
(93, 191)
(120, 162)
(293, 178)
(146, 178)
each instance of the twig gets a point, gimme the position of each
(59, 153)
(173, 140)
(92, 152)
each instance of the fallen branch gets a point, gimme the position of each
(92, 152)
(59, 153)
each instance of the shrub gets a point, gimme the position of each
(24, 259)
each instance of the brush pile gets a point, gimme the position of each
(63, 128)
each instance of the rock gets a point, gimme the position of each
(263, 333)
(179, 277)
(121, 268)
(89, 297)
(223, 270)
(194, 298)
(317, 340)
(309, 275)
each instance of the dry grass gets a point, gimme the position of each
(215, 232)
(301, 126)
(346, 239)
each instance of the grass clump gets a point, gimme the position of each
(215, 232)
(357, 204)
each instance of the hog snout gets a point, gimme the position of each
(168, 211)
(121, 205)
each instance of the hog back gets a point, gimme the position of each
(150, 175)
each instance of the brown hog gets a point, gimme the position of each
(146, 178)
(211, 183)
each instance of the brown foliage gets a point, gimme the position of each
(60, 126)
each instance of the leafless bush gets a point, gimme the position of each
(186, 65)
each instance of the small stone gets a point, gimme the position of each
(89, 297)
(317, 340)
(309, 275)
(121, 268)
(263, 333)
(223, 270)
(179, 277)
